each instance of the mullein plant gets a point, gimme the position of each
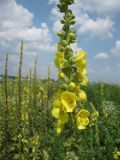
(67, 104)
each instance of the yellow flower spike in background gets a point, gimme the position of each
(68, 100)
(95, 115)
(82, 119)
(116, 154)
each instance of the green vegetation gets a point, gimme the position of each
(27, 132)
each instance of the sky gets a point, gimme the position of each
(36, 23)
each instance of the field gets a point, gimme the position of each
(27, 126)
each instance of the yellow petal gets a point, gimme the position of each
(82, 96)
(59, 128)
(55, 112)
(85, 121)
(63, 117)
(68, 100)
(82, 122)
(84, 81)
(83, 113)
(57, 103)
(80, 127)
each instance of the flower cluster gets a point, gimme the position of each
(116, 154)
(72, 74)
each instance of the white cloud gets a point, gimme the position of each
(75, 48)
(15, 16)
(100, 27)
(106, 69)
(55, 14)
(57, 26)
(116, 49)
(104, 8)
(16, 25)
(101, 55)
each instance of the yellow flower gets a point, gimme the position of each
(63, 117)
(58, 112)
(82, 119)
(116, 154)
(84, 81)
(57, 107)
(82, 77)
(80, 60)
(57, 103)
(82, 73)
(82, 96)
(68, 100)
(59, 60)
(60, 55)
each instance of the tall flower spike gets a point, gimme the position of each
(71, 72)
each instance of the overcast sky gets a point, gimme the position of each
(36, 22)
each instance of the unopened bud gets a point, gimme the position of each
(61, 75)
(72, 86)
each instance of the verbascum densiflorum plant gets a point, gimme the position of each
(72, 75)
(94, 115)
(116, 154)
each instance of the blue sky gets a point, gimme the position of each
(36, 22)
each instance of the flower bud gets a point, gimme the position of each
(64, 43)
(73, 21)
(64, 86)
(61, 75)
(59, 33)
(68, 48)
(63, 21)
(77, 88)
(72, 35)
(72, 86)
